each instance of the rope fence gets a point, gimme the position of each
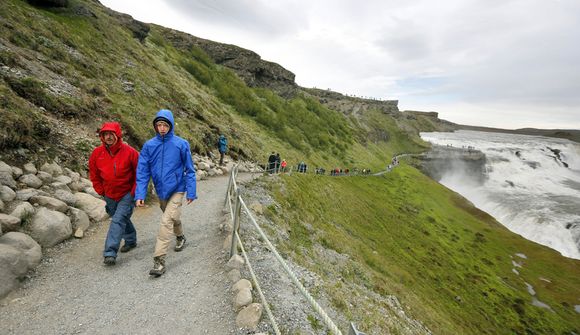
(235, 205)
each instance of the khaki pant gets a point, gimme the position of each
(170, 223)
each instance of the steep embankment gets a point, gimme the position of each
(64, 70)
(452, 266)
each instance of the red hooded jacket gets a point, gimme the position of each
(112, 169)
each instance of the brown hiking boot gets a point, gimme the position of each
(180, 243)
(158, 266)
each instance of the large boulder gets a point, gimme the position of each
(30, 180)
(65, 196)
(9, 222)
(26, 244)
(250, 316)
(95, 208)
(49, 202)
(80, 222)
(6, 193)
(63, 179)
(45, 177)
(12, 265)
(52, 168)
(29, 168)
(26, 194)
(50, 227)
(23, 211)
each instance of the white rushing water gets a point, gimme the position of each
(527, 188)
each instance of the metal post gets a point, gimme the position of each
(353, 331)
(233, 249)
(228, 189)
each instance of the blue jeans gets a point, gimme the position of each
(121, 226)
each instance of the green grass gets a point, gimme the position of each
(410, 237)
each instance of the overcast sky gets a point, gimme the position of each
(499, 63)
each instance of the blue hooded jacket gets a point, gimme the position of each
(222, 144)
(167, 160)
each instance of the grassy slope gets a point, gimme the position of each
(446, 260)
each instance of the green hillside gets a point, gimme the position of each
(66, 70)
(408, 236)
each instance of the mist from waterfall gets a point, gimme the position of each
(531, 184)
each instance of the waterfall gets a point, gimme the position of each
(531, 184)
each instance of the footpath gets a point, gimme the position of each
(72, 292)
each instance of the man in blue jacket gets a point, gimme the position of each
(166, 159)
(222, 147)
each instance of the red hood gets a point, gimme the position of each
(116, 128)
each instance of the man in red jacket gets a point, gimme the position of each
(112, 169)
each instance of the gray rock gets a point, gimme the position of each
(49, 202)
(26, 244)
(5, 168)
(236, 262)
(26, 194)
(45, 177)
(80, 221)
(13, 265)
(16, 172)
(76, 186)
(242, 284)
(95, 208)
(52, 168)
(90, 190)
(7, 179)
(243, 298)
(23, 211)
(234, 275)
(63, 179)
(60, 186)
(65, 196)
(30, 180)
(2, 206)
(9, 223)
(29, 168)
(250, 316)
(50, 227)
(7, 194)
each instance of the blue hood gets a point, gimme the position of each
(167, 116)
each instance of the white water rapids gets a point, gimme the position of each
(527, 186)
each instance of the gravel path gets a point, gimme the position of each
(72, 292)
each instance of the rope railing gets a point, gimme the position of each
(235, 212)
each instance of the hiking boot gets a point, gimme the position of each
(180, 243)
(109, 260)
(127, 248)
(158, 266)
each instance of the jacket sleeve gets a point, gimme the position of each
(94, 174)
(189, 170)
(134, 163)
(143, 174)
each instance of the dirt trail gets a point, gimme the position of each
(72, 292)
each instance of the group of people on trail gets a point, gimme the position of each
(275, 164)
(121, 175)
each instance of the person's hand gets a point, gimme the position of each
(189, 201)
(139, 203)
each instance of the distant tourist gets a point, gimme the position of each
(271, 162)
(277, 163)
(166, 158)
(112, 168)
(283, 165)
(222, 148)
